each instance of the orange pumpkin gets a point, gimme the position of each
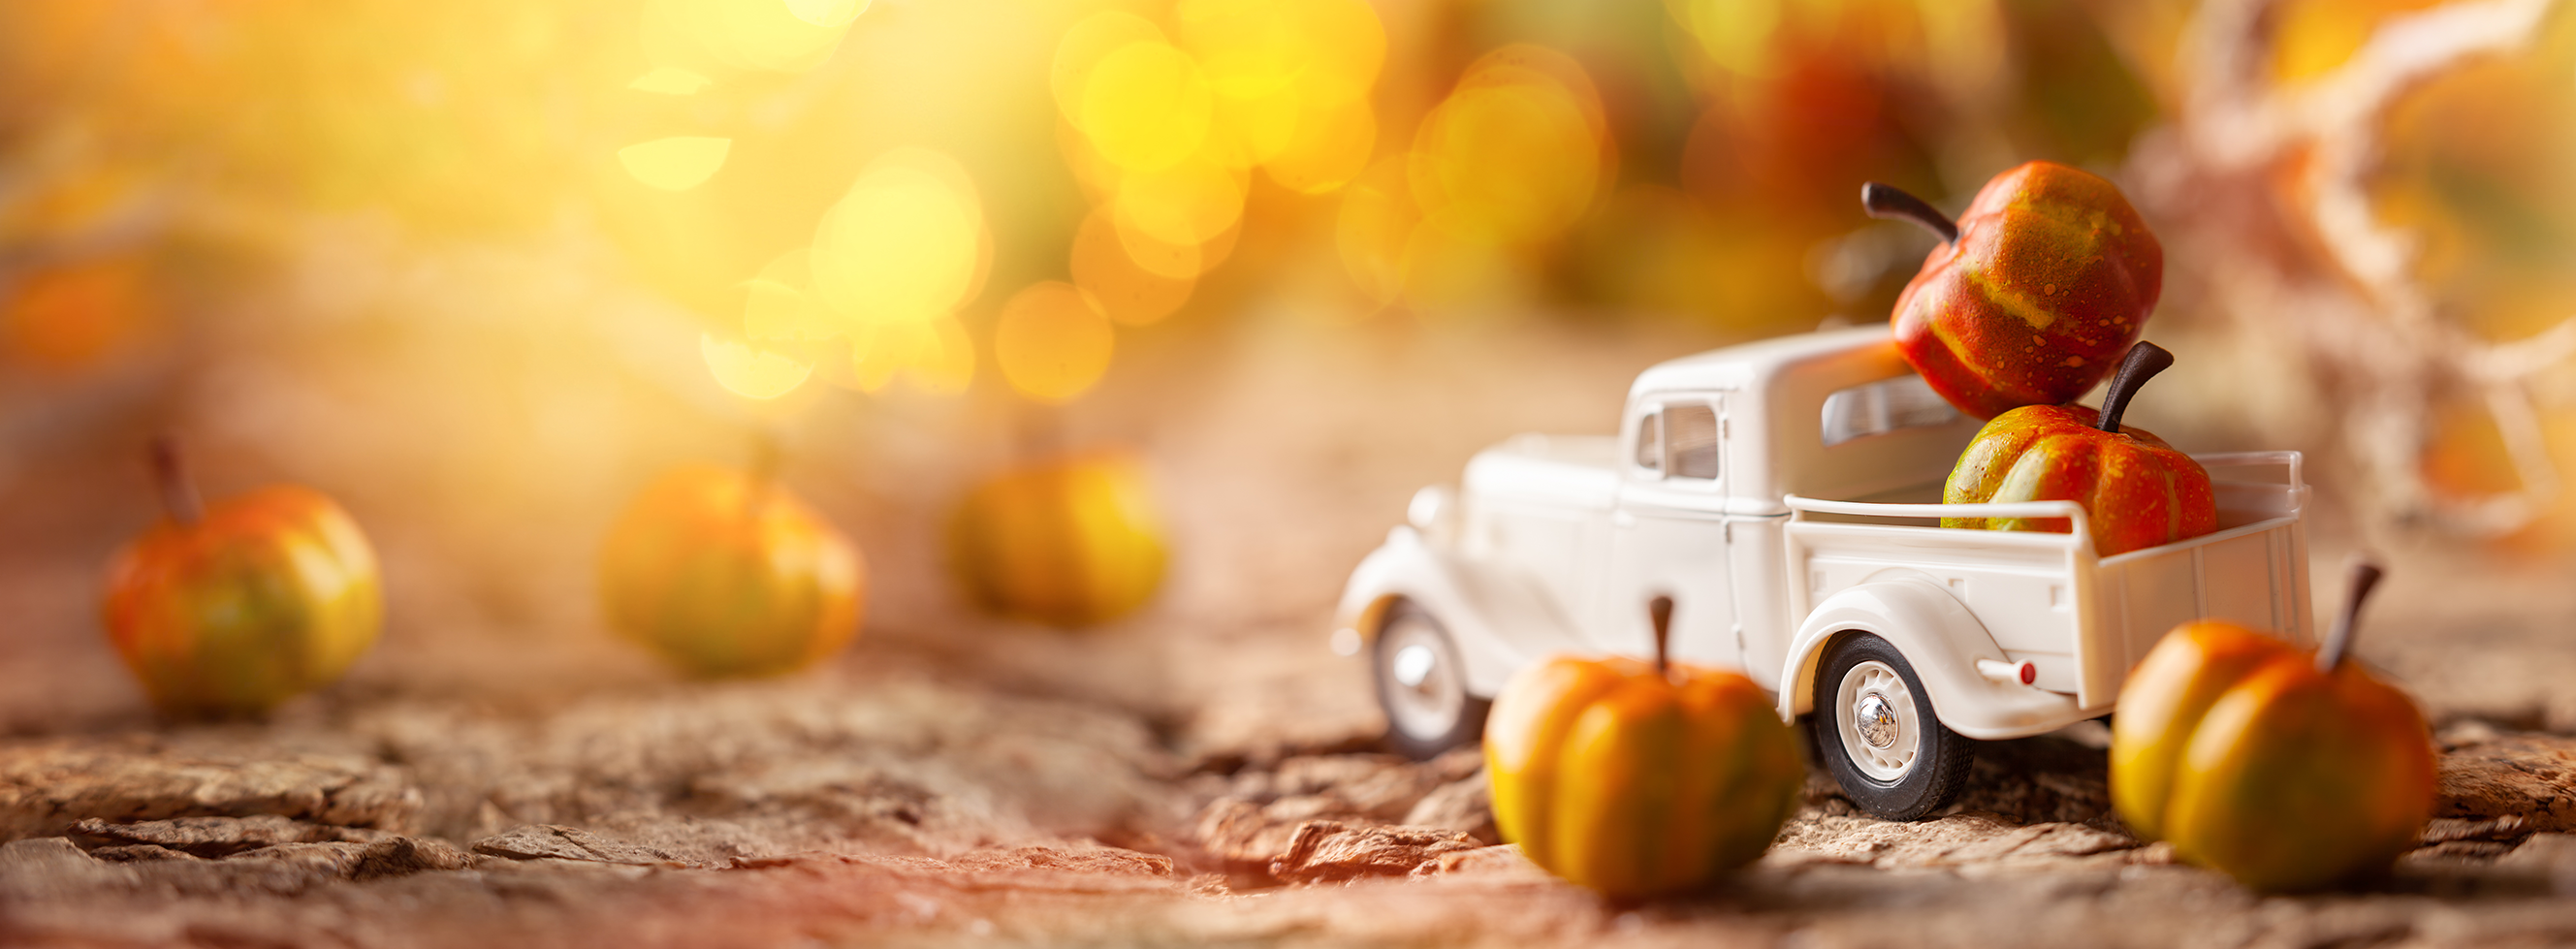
(727, 574)
(2137, 491)
(231, 608)
(2032, 295)
(1637, 779)
(1071, 542)
(2285, 770)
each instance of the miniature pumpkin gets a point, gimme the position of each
(2137, 491)
(727, 574)
(2285, 770)
(1636, 779)
(2033, 294)
(1070, 542)
(231, 608)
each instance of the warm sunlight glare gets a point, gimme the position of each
(1051, 344)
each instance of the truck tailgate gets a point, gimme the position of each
(2083, 621)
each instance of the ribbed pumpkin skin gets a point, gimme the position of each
(2164, 700)
(1633, 783)
(1071, 542)
(2137, 491)
(2283, 776)
(269, 595)
(2051, 280)
(723, 576)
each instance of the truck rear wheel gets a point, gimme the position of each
(1422, 686)
(1877, 733)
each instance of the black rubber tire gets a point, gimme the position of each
(1942, 757)
(1469, 726)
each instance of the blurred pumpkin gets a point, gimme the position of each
(1070, 542)
(231, 608)
(68, 319)
(2285, 770)
(728, 574)
(1636, 779)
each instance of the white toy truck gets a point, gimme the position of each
(1786, 495)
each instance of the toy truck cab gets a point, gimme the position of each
(1785, 495)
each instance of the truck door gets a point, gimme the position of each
(1669, 534)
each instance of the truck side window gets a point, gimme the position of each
(1884, 406)
(1650, 441)
(1692, 437)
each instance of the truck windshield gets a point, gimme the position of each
(1884, 406)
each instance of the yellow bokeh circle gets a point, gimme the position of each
(907, 243)
(1145, 106)
(1051, 343)
(1129, 292)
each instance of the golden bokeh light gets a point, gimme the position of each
(1323, 51)
(1082, 47)
(1516, 153)
(1187, 203)
(1734, 34)
(1146, 107)
(1051, 343)
(751, 371)
(1105, 268)
(1377, 219)
(749, 35)
(670, 81)
(935, 356)
(678, 163)
(906, 244)
(1163, 130)
(1333, 144)
(827, 13)
(780, 304)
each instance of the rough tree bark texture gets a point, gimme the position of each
(853, 808)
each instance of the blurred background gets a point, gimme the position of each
(481, 269)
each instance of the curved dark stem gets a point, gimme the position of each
(2141, 364)
(2365, 575)
(179, 497)
(1890, 202)
(1660, 609)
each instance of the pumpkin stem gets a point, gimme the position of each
(1889, 202)
(2141, 364)
(179, 498)
(2365, 575)
(1660, 609)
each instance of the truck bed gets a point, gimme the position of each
(2082, 620)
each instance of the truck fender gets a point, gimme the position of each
(1500, 623)
(1942, 640)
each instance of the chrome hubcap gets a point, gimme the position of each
(1878, 721)
(1424, 695)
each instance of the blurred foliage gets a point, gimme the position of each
(855, 194)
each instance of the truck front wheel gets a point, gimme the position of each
(1422, 686)
(1876, 731)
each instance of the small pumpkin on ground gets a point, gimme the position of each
(231, 608)
(1070, 542)
(727, 574)
(2286, 770)
(2137, 491)
(1639, 779)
